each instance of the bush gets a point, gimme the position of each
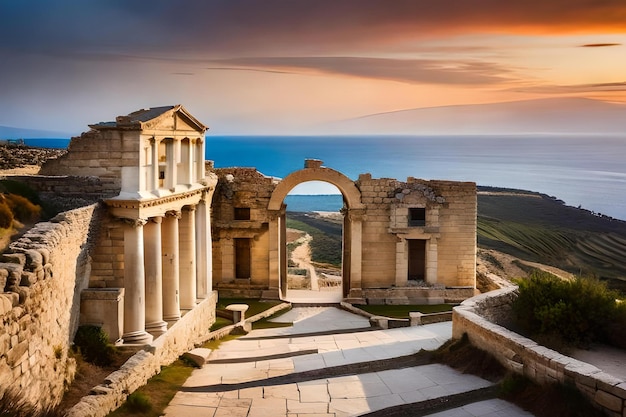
(578, 311)
(94, 345)
(23, 209)
(6, 215)
(138, 402)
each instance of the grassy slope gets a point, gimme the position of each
(539, 228)
(326, 243)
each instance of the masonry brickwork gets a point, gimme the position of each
(387, 253)
(477, 317)
(42, 275)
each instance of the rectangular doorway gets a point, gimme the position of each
(417, 259)
(242, 258)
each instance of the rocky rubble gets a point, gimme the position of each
(16, 156)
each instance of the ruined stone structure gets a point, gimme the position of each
(149, 239)
(410, 241)
(152, 259)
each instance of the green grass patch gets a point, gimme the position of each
(402, 311)
(255, 306)
(151, 399)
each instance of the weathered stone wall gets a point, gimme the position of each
(42, 275)
(96, 153)
(190, 331)
(69, 192)
(526, 357)
(241, 188)
(449, 229)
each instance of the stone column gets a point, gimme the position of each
(154, 177)
(154, 277)
(134, 284)
(171, 269)
(171, 171)
(203, 248)
(356, 245)
(402, 262)
(200, 150)
(187, 239)
(431, 260)
(274, 252)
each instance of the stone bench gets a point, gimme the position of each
(239, 312)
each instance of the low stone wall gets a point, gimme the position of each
(41, 276)
(190, 331)
(524, 356)
(69, 192)
(416, 295)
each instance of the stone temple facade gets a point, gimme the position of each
(152, 259)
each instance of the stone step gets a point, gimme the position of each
(258, 355)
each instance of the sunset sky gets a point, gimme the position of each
(291, 66)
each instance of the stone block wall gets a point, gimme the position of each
(94, 153)
(248, 189)
(449, 230)
(524, 356)
(41, 276)
(190, 331)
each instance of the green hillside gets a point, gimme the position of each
(539, 228)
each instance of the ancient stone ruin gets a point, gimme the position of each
(159, 232)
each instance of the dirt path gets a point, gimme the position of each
(302, 256)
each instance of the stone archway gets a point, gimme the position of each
(353, 217)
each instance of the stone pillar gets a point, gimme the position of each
(203, 248)
(356, 245)
(186, 157)
(134, 284)
(171, 269)
(402, 262)
(274, 253)
(187, 239)
(200, 150)
(431, 260)
(154, 277)
(171, 172)
(154, 176)
(227, 247)
(282, 245)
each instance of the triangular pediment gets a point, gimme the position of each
(156, 118)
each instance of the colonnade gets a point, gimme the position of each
(167, 268)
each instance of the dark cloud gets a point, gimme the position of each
(231, 28)
(573, 89)
(402, 70)
(599, 45)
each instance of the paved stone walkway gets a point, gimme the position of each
(276, 372)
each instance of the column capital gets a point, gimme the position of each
(157, 219)
(191, 208)
(354, 215)
(134, 222)
(173, 213)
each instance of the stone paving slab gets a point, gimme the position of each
(337, 396)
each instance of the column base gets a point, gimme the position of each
(139, 337)
(156, 328)
(172, 318)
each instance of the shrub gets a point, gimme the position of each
(6, 215)
(578, 311)
(23, 209)
(94, 345)
(138, 402)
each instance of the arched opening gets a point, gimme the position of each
(314, 239)
(351, 236)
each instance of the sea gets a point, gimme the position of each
(584, 171)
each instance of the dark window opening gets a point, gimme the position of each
(417, 216)
(161, 175)
(417, 260)
(242, 259)
(242, 213)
